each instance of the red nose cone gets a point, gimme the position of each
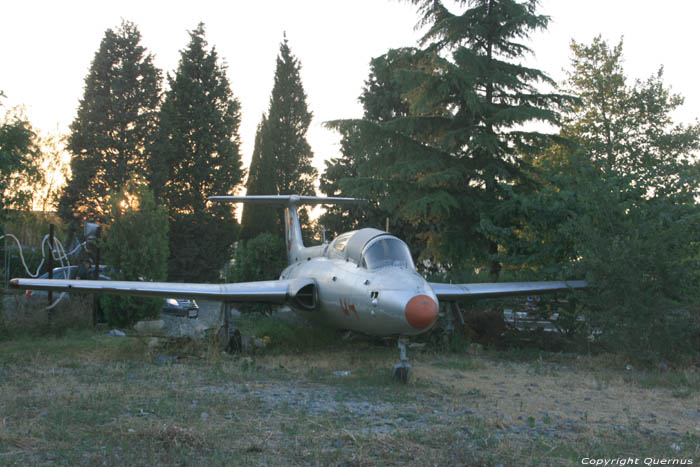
(421, 311)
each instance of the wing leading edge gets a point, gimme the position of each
(453, 292)
(262, 291)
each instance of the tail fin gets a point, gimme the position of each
(292, 229)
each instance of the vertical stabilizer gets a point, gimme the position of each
(291, 203)
(292, 232)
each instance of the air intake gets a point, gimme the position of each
(303, 294)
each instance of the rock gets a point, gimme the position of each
(116, 333)
(173, 326)
(151, 328)
(153, 342)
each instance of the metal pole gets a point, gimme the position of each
(51, 234)
(96, 276)
(5, 265)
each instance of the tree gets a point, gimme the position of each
(198, 155)
(347, 175)
(628, 130)
(17, 151)
(50, 169)
(136, 247)
(618, 207)
(445, 165)
(259, 219)
(284, 161)
(114, 130)
(258, 259)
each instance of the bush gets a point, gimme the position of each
(261, 258)
(136, 246)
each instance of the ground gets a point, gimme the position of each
(88, 399)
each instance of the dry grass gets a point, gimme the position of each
(86, 399)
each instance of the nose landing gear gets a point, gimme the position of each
(402, 370)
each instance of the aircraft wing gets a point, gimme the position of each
(262, 291)
(453, 292)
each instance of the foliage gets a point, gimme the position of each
(258, 259)
(282, 157)
(136, 247)
(259, 219)
(38, 186)
(52, 166)
(113, 131)
(197, 155)
(17, 150)
(618, 208)
(348, 176)
(627, 130)
(443, 166)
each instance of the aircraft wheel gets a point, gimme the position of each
(401, 372)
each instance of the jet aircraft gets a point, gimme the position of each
(363, 281)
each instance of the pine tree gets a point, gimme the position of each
(284, 153)
(115, 127)
(198, 155)
(382, 101)
(448, 161)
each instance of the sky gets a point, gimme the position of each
(46, 48)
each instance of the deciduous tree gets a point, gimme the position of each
(17, 151)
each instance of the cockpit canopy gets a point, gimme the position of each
(371, 249)
(386, 251)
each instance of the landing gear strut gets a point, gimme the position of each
(229, 337)
(402, 370)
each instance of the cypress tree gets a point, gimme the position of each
(260, 219)
(284, 163)
(198, 155)
(115, 127)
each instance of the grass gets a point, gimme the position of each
(85, 398)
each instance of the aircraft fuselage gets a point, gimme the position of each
(391, 300)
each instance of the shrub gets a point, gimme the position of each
(136, 246)
(261, 258)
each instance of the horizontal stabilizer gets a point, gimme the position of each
(453, 292)
(285, 200)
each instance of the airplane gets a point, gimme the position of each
(363, 281)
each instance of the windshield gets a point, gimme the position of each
(387, 251)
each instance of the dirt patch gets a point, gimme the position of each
(514, 392)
